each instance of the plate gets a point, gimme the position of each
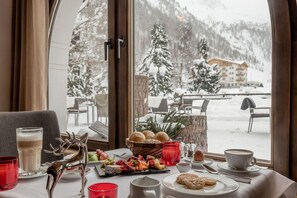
(101, 172)
(224, 166)
(205, 161)
(223, 186)
(74, 174)
(25, 175)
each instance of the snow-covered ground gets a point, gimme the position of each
(227, 126)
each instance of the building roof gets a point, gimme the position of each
(227, 61)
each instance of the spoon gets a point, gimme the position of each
(236, 178)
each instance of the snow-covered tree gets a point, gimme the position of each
(87, 70)
(156, 64)
(202, 75)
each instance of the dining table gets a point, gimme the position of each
(266, 183)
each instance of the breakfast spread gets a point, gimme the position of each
(97, 156)
(133, 165)
(195, 182)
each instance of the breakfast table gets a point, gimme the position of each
(266, 184)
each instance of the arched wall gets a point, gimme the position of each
(60, 38)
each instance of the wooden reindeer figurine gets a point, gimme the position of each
(77, 161)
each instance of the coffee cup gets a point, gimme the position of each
(145, 187)
(239, 159)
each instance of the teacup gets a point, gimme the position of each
(183, 167)
(145, 187)
(240, 159)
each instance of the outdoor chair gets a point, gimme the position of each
(102, 107)
(163, 107)
(10, 121)
(79, 107)
(249, 103)
(203, 107)
(186, 105)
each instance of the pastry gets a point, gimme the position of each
(209, 181)
(137, 137)
(194, 183)
(180, 179)
(148, 134)
(162, 136)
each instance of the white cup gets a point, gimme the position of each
(145, 187)
(183, 167)
(240, 159)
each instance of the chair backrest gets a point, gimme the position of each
(78, 103)
(102, 104)
(204, 106)
(9, 121)
(163, 107)
(187, 101)
(248, 103)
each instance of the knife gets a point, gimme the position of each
(234, 177)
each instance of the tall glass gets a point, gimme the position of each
(29, 144)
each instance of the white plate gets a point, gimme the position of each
(40, 173)
(73, 174)
(205, 161)
(223, 186)
(224, 166)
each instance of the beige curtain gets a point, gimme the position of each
(30, 55)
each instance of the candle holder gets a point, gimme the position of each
(77, 161)
(171, 153)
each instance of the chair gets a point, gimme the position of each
(102, 107)
(78, 108)
(186, 105)
(163, 107)
(9, 121)
(249, 103)
(203, 107)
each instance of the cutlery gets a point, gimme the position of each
(234, 177)
(119, 156)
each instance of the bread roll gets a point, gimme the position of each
(198, 155)
(148, 134)
(137, 137)
(162, 136)
(152, 141)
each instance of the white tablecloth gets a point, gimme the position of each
(268, 184)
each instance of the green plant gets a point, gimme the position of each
(172, 123)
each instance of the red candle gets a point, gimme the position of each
(8, 173)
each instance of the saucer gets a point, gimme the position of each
(25, 175)
(251, 169)
(199, 163)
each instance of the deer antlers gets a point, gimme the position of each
(64, 144)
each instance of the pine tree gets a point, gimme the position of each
(202, 75)
(156, 64)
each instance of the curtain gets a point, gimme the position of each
(30, 55)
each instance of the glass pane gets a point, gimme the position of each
(79, 49)
(209, 61)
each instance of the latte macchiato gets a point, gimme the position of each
(29, 144)
(239, 159)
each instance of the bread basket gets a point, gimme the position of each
(144, 149)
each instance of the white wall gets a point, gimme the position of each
(58, 58)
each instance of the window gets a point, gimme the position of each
(182, 24)
(83, 52)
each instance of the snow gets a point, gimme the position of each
(227, 125)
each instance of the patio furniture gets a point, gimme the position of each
(79, 107)
(163, 107)
(249, 103)
(203, 107)
(102, 107)
(9, 121)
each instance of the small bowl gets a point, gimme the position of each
(183, 167)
